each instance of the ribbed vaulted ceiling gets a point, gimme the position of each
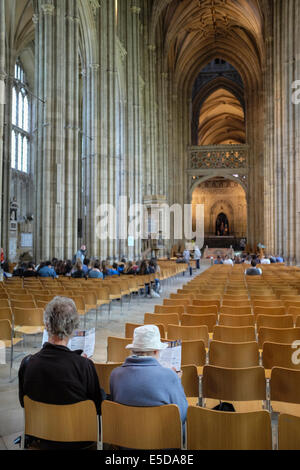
(197, 31)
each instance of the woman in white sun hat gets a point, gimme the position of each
(142, 381)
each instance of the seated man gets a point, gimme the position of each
(254, 270)
(56, 375)
(228, 261)
(47, 271)
(142, 381)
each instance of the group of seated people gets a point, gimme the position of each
(94, 269)
(56, 375)
(247, 259)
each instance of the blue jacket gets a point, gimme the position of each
(47, 272)
(95, 275)
(142, 381)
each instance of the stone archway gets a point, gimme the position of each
(221, 195)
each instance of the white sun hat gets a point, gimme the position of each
(147, 338)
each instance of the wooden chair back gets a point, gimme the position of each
(233, 355)
(227, 334)
(6, 314)
(103, 372)
(141, 428)
(161, 318)
(190, 381)
(163, 309)
(216, 430)
(288, 432)
(247, 384)
(28, 317)
(193, 310)
(277, 321)
(61, 423)
(116, 349)
(280, 355)
(278, 335)
(285, 385)
(188, 333)
(269, 311)
(231, 310)
(193, 353)
(236, 320)
(200, 320)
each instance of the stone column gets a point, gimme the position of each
(2, 102)
(56, 136)
(284, 178)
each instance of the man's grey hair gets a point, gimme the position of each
(61, 317)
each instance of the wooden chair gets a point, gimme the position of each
(280, 321)
(176, 332)
(288, 304)
(231, 310)
(233, 355)
(61, 423)
(239, 386)
(6, 337)
(188, 297)
(163, 309)
(103, 372)
(268, 304)
(6, 314)
(215, 430)
(130, 327)
(141, 428)
(295, 311)
(44, 298)
(28, 304)
(193, 352)
(4, 303)
(116, 349)
(236, 303)
(227, 334)
(199, 320)
(161, 318)
(278, 335)
(263, 298)
(236, 320)
(290, 298)
(279, 355)
(288, 432)
(206, 303)
(239, 297)
(193, 310)
(28, 322)
(269, 311)
(21, 298)
(285, 391)
(190, 383)
(175, 302)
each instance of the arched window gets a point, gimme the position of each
(20, 144)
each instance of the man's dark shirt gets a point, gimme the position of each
(58, 376)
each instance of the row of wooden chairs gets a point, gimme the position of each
(160, 428)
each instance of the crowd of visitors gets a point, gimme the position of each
(82, 267)
(247, 259)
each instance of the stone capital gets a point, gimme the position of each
(94, 67)
(136, 10)
(48, 9)
(35, 19)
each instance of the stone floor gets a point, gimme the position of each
(11, 414)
